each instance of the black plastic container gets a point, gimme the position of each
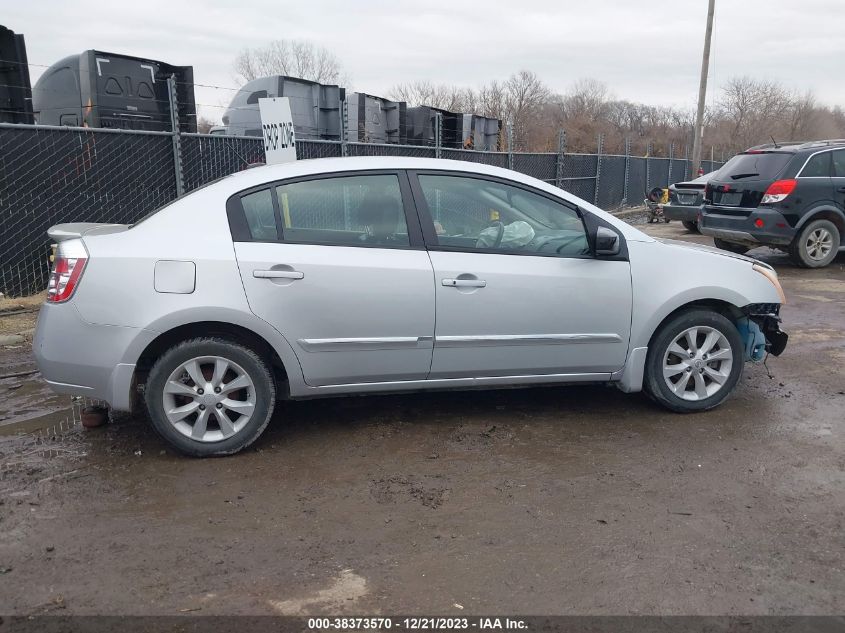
(372, 119)
(421, 127)
(15, 89)
(107, 90)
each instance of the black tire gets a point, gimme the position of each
(799, 251)
(739, 249)
(666, 220)
(252, 364)
(691, 226)
(655, 385)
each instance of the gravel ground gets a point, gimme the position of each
(536, 501)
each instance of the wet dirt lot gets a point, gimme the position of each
(539, 501)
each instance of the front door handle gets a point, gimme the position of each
(841, 190)
(464, 283)
(277, 274)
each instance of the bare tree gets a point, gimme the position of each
(802, 115)
(753, 110)
(587, 97)
(294, 58)
(493, 101)
(445, 97)
(525, 96)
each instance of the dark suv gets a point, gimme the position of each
(790, 197)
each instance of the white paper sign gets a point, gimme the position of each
(277, 127)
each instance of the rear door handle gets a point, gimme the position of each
(277, 274)
(464, 283)
(841, 190)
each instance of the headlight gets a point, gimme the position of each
(772, 276)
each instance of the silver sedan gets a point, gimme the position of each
(366, 275)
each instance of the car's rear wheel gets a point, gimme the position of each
(210, 396)
(739, 249)
(817, 244)
(694, 361)
(691, 226)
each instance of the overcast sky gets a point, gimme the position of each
(644, 50)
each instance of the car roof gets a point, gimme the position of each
(264, 174)
(312, 166)
(797, 146)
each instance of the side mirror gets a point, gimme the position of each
(607, 242)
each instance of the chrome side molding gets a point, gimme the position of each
(527, 339)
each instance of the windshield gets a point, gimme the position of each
(756, 166)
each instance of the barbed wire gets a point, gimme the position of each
(304, 129)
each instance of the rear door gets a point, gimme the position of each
(518, 293)
(335, 265)
(815, 185)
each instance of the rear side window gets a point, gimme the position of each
(817, 166)
(260, 215)
(757, 166)
(348, 210)
(839, 163)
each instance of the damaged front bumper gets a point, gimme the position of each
(760, 331)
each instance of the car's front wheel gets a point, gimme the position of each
(691, 226)
(817, 244)
(694, 361)
(210, 396)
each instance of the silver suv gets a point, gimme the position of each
(365, 275)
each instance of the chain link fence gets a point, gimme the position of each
(50, 175)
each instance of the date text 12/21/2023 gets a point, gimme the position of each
(418, 623)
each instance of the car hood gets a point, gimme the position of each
(713, 250)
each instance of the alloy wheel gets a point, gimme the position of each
(209, 398)
(697, 363)
(819, 244)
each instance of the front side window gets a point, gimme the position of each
(817, 166)
(470, 213)
(348, 210)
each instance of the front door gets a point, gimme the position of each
(330, 263)
(517, 292)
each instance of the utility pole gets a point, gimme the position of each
(702, 93)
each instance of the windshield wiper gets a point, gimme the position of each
(738, 176)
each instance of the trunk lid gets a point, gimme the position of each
(73, 230)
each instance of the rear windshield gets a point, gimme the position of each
(762, 166)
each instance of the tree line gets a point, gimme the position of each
(747, 111)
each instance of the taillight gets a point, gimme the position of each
(778, 191)
(66, 273)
